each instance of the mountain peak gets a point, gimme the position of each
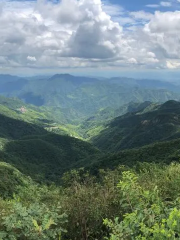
(77, 80)
(63, 75)
(170, 104)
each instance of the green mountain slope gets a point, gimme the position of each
(81, 101)
(10, 180)
(46, 157)
(41, 116)
(161, 152)
(141, 128)
(13, 129)
(96, 123)
(35, 151)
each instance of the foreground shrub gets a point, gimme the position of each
(87, 200)
(18, 222)
(147, 216)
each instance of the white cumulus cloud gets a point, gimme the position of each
(87, 34)
(31, 58)
(166, 4)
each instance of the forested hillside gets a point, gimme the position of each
(156, 123)
(85, 159)
(92, 126)
(38, 153)
(41, 116)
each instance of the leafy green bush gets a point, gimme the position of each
(10, 180)
(147, 216)
(36, 221)
(87, 200)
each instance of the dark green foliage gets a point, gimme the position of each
(152, 191)
(162, 152)
(14, 129)
(37, 221)
(96, 123)
(147, 215)
(34, 213)
(141, 128)
(46, 157)
(10, 180)
(32, 149)
(88, 200)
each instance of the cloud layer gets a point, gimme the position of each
(87, 34)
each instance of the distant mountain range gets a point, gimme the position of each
(78, 98)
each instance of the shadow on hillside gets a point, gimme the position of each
(14, 129)
(38, 153)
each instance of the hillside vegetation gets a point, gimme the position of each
(10, 180)
(41, 116)
(115, 204)
(46, 157)
(160, 153)
(131, 130)
(92, 126)
(88, 159)
(38, 153)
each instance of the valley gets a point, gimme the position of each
(88, 144)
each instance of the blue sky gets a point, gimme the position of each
(132, 37)
(132, 5)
